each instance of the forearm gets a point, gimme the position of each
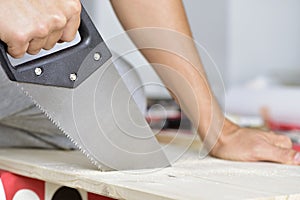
(171, 50)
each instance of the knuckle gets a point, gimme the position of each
(42, 30)
(58, 21)
(284, 141)
(21, 38)
(285, 138)
(76, 7)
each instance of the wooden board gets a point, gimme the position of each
(189, 178)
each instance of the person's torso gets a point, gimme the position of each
(12, 99)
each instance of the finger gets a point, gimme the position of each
(269, 152)
(17, 51)
(280, 140)
(73, 22)
(17, 44)
(36, 45)
(71, 29)
(52, 40)
(283, 141)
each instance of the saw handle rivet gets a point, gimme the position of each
(73, 77)
(38, 71)
(97, 56)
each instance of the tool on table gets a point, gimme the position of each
(81, 92)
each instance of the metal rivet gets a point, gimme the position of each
(38, 71)
(97, 56)
(73, 77)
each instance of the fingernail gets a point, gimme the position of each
(297, 157)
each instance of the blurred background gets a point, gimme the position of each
(255, 45)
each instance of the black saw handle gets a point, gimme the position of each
(65, 68)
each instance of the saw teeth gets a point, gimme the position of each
(91, 159)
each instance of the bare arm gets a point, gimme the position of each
(176, 61)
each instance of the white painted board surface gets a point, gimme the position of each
(189, 178)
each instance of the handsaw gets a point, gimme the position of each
(82, 93)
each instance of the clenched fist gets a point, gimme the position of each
(32, 25)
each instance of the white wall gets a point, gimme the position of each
(245, 38)
(208, 20)
(264, 38)
(109, 27)
(208, 23)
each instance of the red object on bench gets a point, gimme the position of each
(16, 187)
(13, 186)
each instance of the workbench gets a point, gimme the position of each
(188, 178)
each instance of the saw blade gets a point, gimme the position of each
(82, 93)
(102, 120)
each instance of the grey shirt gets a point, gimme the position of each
(24, 125)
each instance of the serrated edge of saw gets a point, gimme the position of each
(91, 159)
